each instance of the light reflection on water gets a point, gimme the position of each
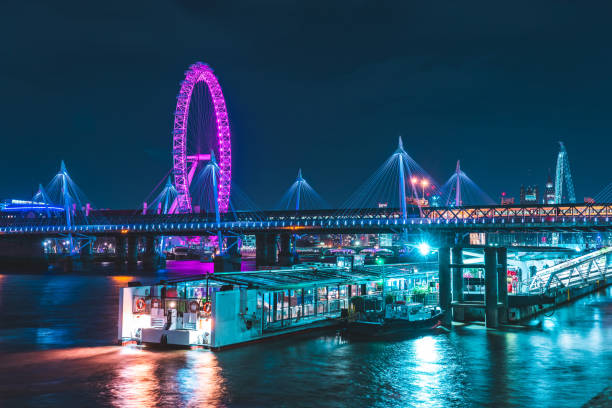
(57, 331)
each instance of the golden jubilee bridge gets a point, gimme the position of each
(514, 218)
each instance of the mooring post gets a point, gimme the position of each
(491, 287)
(444, 279)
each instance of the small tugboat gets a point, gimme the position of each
(396, 318)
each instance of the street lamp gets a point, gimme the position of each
(424, 183)
(414, 181)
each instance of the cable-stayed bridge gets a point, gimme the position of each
(198, 198)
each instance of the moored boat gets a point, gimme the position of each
(396, 318)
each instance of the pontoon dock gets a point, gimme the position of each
(224, 309)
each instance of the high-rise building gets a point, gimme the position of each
(549, 191)
(529, 195)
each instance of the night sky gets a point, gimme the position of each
(308, 84)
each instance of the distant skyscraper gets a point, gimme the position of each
(563, 176)
(549, 191)
(529, 195)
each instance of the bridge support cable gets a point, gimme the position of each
(459, 190)
(605, 195)
(301, 196)
(399, 183)
(62, 191)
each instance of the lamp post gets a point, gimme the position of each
(424, 183)
(414, 181)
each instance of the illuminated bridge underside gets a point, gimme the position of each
(560, 218)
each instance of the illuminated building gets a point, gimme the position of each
(549, 191)
(529, 195)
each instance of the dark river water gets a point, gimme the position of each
(58, 348)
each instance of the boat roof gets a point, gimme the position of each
(280, 279)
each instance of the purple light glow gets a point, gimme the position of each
(200, 72)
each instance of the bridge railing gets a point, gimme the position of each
(579, 271)
(548, 211)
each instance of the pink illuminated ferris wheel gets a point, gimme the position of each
(201, 134)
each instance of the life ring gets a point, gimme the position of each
(193, 306)
(155, 303)
(141, 305)
(207, 307)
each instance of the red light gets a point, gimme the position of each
(503, 194)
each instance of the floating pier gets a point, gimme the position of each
(226, 309)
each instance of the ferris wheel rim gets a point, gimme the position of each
(197, 73)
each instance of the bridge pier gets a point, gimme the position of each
(132, 252)
(502, 282)
(120, 251)
(491, 287)
(86, 256)
(265, 249)
(457, 258)
(287, 256)
(150, 258)
(87, 251)
(231, 260)
(444, 278)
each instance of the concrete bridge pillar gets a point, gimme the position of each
(260, 249)
(286, 255)
(444, 278)
(150, 258)
(502, 282)
(120, 250)
(491, 286)
(457, 253)
(233, 246)
(457, 259)
(132, 252)
(265, 249)
(231, 260)
(87, 252)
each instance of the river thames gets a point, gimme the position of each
(58, 344)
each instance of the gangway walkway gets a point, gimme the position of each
(580, 271)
